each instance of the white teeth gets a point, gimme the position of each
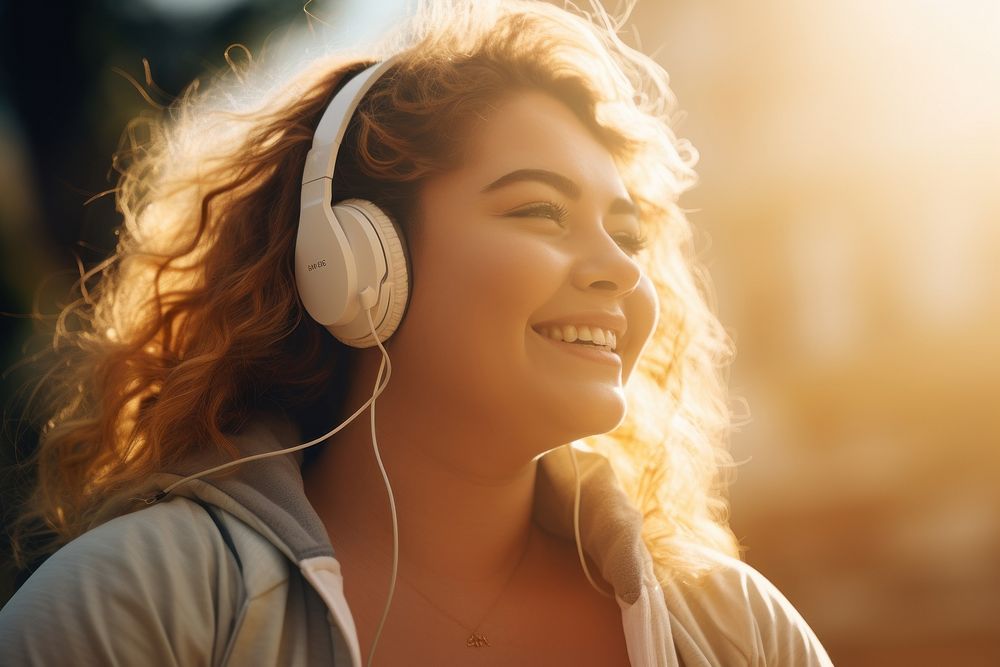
(572, 333)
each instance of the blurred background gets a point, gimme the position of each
(849, 212)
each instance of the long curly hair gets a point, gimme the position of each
(194, 324)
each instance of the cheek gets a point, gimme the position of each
(498, 275)
(475, 290)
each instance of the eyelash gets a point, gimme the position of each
(630, 243)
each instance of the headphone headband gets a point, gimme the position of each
(332, 126)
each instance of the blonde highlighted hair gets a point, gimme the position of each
(194, 323)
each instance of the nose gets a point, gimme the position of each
(605, 267)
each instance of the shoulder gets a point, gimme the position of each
(158, 581)
(733, 610)
(172, 541)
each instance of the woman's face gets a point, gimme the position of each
(531, 233)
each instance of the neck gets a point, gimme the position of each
(464, 512)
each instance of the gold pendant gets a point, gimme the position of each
(477, 640)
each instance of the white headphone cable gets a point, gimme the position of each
(576, 524)
(385, 363)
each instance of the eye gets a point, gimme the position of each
(544, 209)
(632, 244)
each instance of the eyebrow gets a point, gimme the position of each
(560, 183)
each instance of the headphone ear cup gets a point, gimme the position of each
(352, 248)
(381, 262)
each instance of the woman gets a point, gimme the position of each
(542, 283)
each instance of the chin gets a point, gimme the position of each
(594, 417)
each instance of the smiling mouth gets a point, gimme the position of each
(585, 349)
(593, 336)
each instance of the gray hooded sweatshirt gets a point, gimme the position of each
(239, 570)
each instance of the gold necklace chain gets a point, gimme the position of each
(476, 639)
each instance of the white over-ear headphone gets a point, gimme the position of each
(342, 250)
